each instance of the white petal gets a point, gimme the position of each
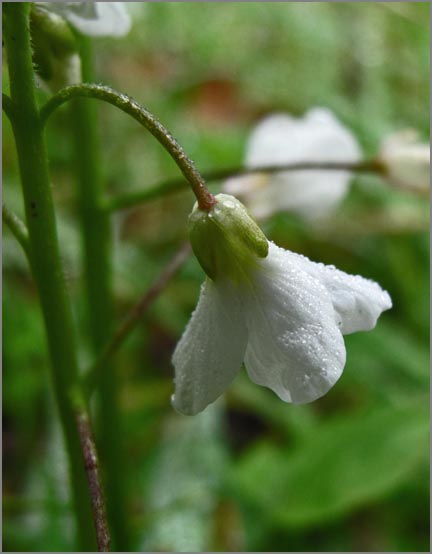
(295, 347)
(211, 350)
(358, 302)
(97, 18)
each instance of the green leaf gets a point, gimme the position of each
(342, 465)
(392, 361)
(185, 483)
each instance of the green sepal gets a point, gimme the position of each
(53, 45)
(226, 240)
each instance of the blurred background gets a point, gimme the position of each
(348, 472)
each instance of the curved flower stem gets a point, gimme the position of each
(96, 239)
(18, 229)
(144, 117)
(44, 252)
(169, 186)
(95, 373)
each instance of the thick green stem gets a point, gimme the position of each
(45, 257)
(7, 106)
(148, 120)
(96, 238)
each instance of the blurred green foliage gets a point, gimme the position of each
(346, 473)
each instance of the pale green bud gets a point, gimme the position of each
(54, 49)
(226, 240)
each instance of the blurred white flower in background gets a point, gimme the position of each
(281, 139)
(95, 19)
(406, 161)
(277, 311)
(55, 50)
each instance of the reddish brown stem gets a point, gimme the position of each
(135, 314)
(91, 466)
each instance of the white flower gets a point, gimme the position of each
(94, 19)
(284, 320)
(280, 140)
(406, 161)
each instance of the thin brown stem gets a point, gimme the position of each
(135, 314)
(170, 186)
(365, 166)
(91, 466)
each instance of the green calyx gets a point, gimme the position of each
(226, 240)
(54, 45)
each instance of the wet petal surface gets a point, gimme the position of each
(295, 346)
(211, 350)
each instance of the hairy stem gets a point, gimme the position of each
(148, 120)
(45, 257)
(97, 371)
(18, 228)
(96, 238)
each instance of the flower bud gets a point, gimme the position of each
(406, 161)
(54, 50)
(226, 240)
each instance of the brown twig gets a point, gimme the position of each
(135, 314)
(135, 198)
(91, 466)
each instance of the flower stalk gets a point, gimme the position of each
(128, 105)
(44, 252)
(96, 239)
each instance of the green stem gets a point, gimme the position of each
(148, 120)
(18, 229)
(170, 186)
(45, 256)
(96, 238)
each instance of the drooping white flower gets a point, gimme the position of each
(95, 19)
(281, 140)
(406, 161)
(276, 311)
